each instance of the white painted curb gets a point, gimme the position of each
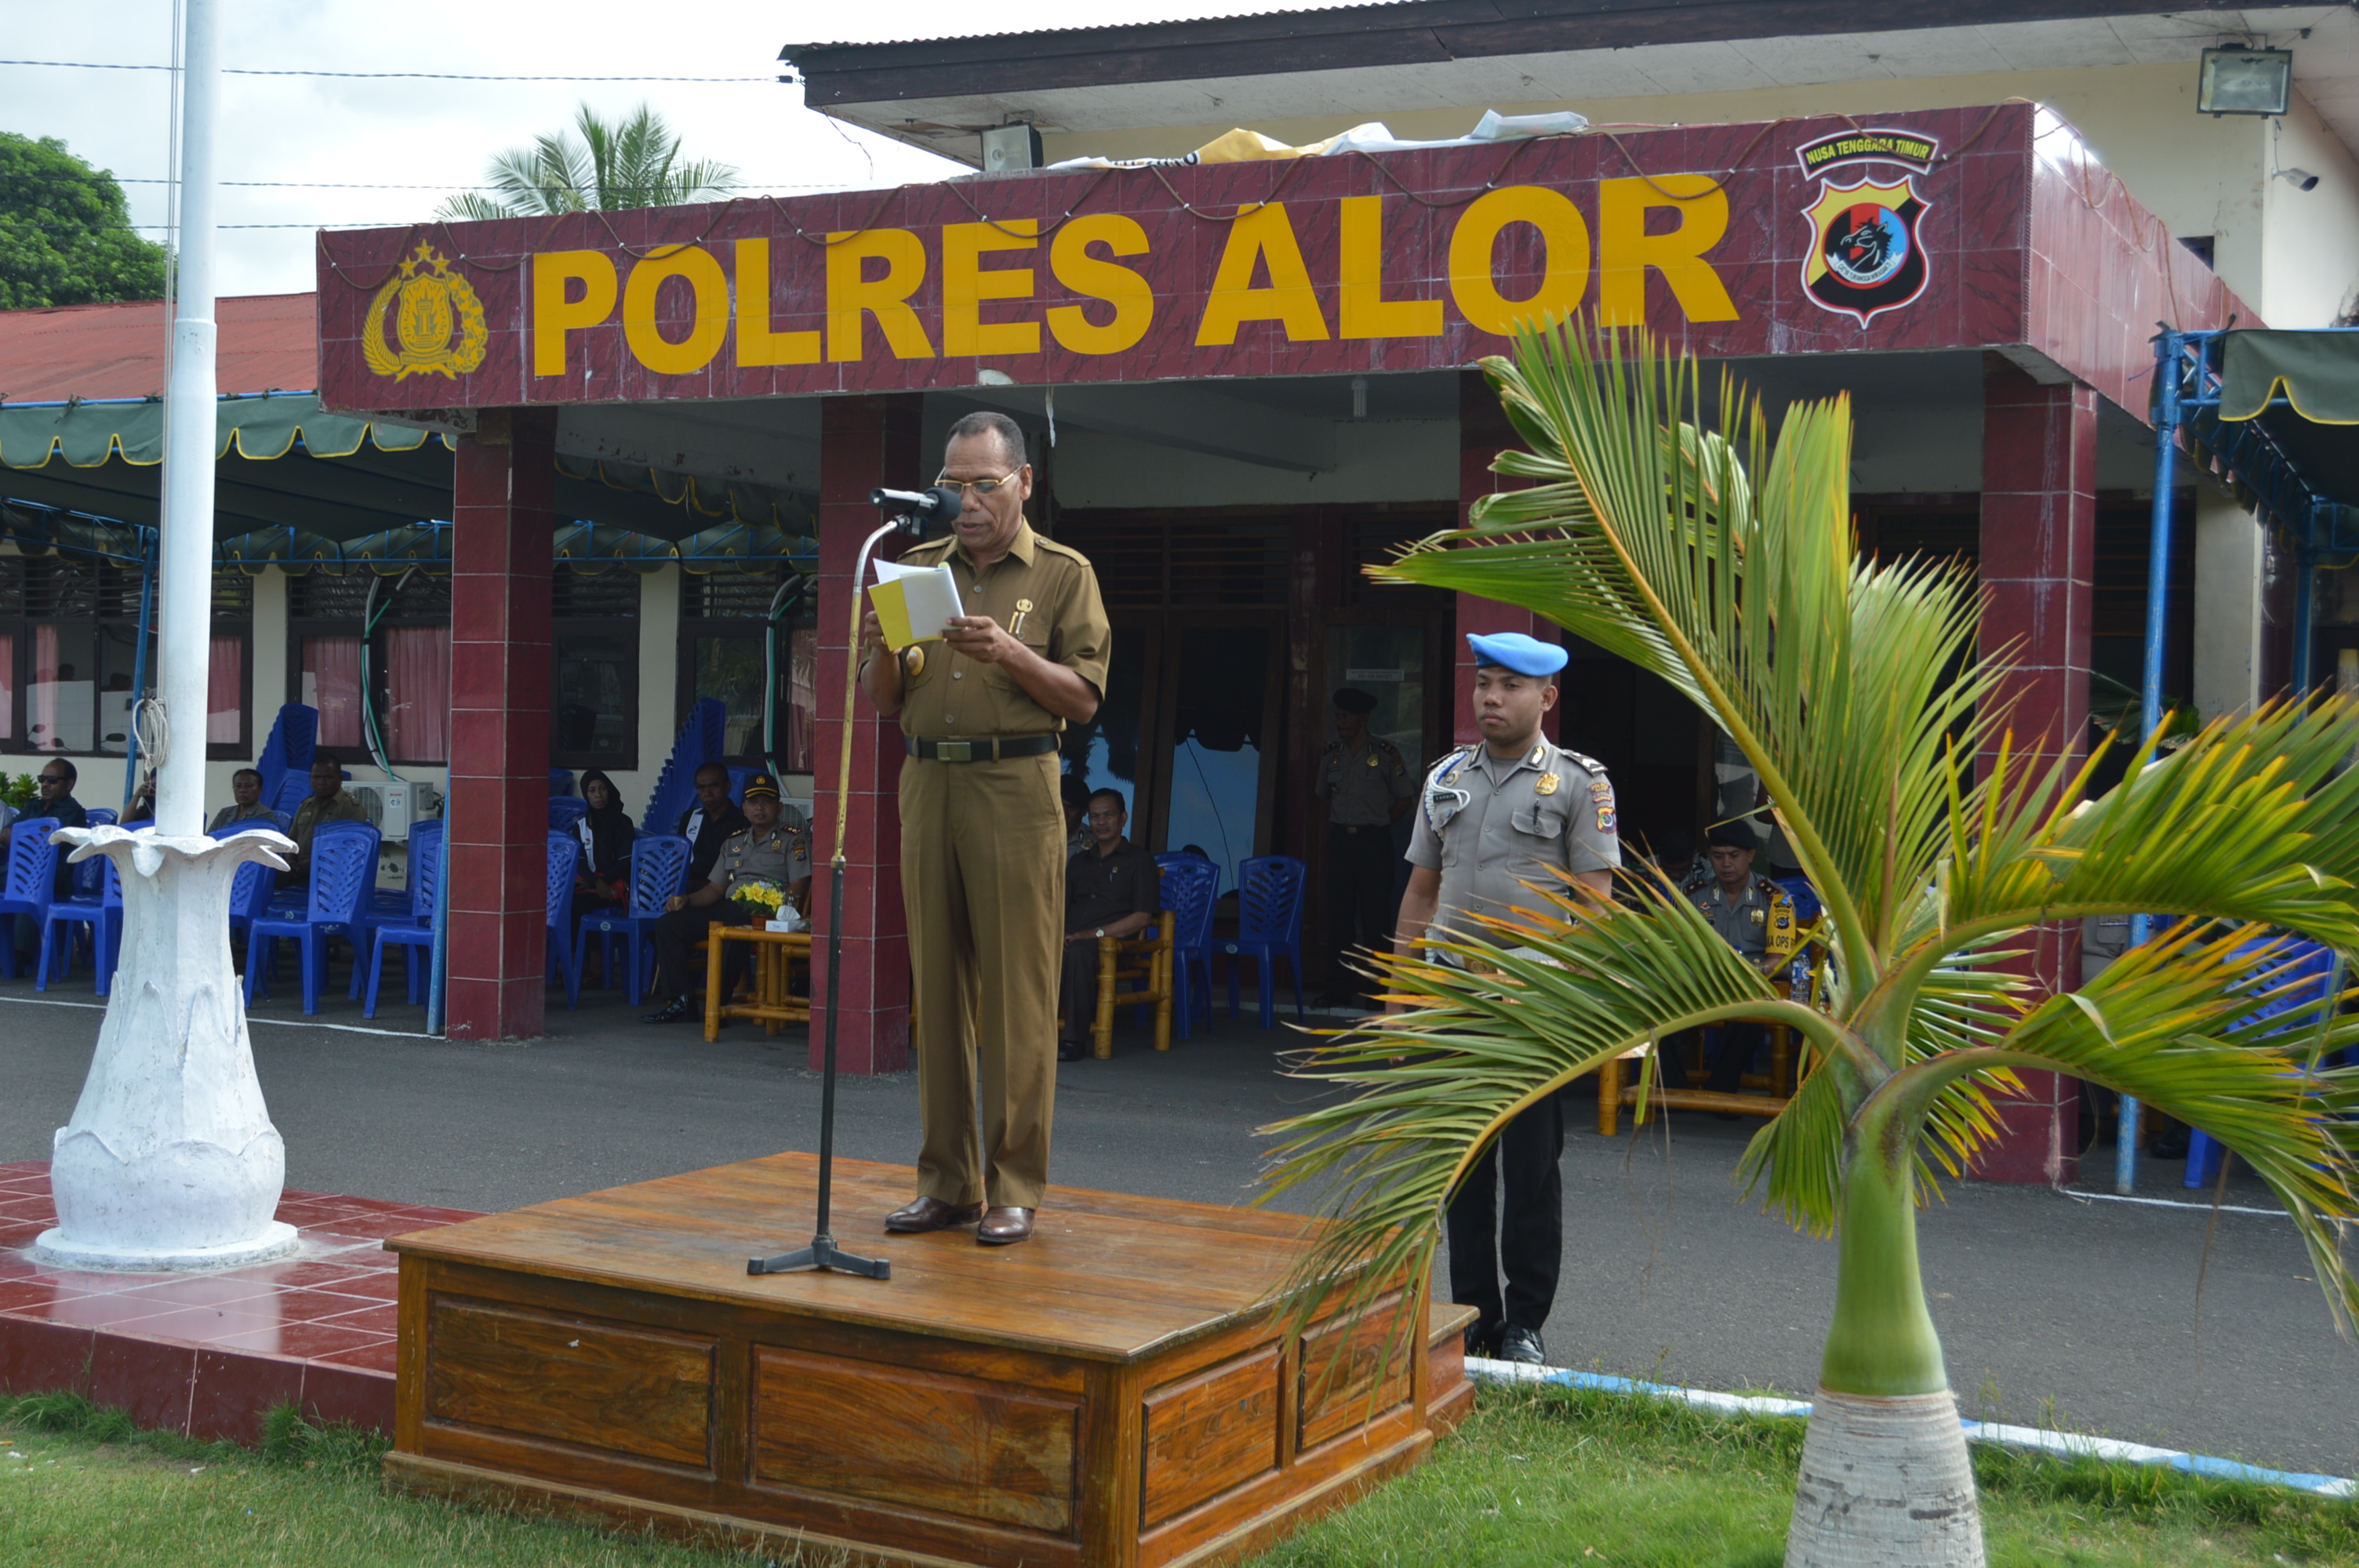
(2065, 1442)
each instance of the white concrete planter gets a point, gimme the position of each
(170, 1160)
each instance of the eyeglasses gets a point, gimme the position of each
(977, 487)
(53, 778)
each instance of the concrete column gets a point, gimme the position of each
(1482, 434)
(2038, 569)
(864, 442)
(503, 484)
(2228, 571)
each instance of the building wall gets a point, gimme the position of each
(2311, 238)
(2200, 175)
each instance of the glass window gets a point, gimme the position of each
(417, 694)
(730, 668)
(225, 691)
(726, 621)
(594, 718)
(7, 687)
(58, 701)
(801, 748)
(331, 684)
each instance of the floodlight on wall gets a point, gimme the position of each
(1010, 147)
(2245, 81)
(2300, 179)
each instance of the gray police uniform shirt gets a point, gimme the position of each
(781, 855)
(1490, 824)
(1360, 790)
(1743, 925)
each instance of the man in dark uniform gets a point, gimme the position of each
(712, 822)
(54, 804)
(983, 832)
(1516, 809)
(1367, 787)
(1113, 888)
(764, 851)
(1753, 915)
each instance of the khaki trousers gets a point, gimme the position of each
(983, 879)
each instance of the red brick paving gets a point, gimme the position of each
(208, 1354)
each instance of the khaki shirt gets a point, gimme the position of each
(949, 696)
(780, 857)
(341, 806)
(1491, 825)
(1360, 788)
(1760, 925)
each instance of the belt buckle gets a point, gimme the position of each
(954, 751)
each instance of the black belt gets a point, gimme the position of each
(980, 751)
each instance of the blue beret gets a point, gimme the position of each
(1514, 650)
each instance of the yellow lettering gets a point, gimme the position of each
(554, 314)
(706, 332)
(1624, 249)
(1261, 234)
(851, 293)
(1362, 310)
(756, 344)
(1085, 275)
(965, 286)
(1565, 274)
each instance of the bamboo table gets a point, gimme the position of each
(774, 953)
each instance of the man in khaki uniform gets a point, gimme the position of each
(983, 833)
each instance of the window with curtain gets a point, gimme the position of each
(60, 701)
(723, 622)
(594, 707)
(7, 687)
(331, 684)
(418, 693)
(802, 697)
(225, 691)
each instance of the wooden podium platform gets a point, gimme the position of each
(1110, 1394)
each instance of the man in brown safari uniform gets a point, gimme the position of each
(983, 833)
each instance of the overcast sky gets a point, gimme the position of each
(305, 133)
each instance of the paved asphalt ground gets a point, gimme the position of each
(2051, 1305)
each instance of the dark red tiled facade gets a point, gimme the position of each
(502, 526)
(209, 1355)
(2038, 573)
(868, 441)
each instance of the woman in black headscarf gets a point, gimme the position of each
(603, 881)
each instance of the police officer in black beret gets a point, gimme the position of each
(1367, 786)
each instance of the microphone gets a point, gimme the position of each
(920, 507)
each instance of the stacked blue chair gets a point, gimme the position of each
(102, 913)
(659, 872)
(1191, 886)
(564, 865)
(703, 738)
(413, 931)
(31, 884)
(566, 811)
(250, 890)
(288, 748)
(2302, 976)
(343, 875)
(1270, 921)
(86, 883)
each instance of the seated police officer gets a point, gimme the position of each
(768, 851)
(1753, 915)
(1113, 888)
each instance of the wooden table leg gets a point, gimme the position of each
(1102, 1035)
(1162, 967)
(1609, 1096)
(713, 962)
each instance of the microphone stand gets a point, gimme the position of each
(823, 1252)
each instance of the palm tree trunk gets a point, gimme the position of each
(1885, 1474)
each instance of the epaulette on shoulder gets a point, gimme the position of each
(1590, 764)
(939, 547)
(1447, 758)
(1067, 551)
(1384, 745)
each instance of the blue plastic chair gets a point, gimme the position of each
(2302, 974)
(1192, 887)
(343, 874)
(31, 884)
(565, 811)
(250, 890)
(413, 931)
(86, 873)
(564, 865)
(102, 913)
(1270, 921)
(659, 872)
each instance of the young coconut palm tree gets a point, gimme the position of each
(601, 165)
(1727, 568)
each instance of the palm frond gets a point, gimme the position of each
(473, 206)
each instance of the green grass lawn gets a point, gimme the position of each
(1537, 1478)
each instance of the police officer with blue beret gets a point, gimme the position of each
(1517, 808)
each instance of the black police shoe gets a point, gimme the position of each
(1521, 1344)
(1481, 1341)
(1072, 1051)
(677, 1010)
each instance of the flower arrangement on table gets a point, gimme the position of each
(762, 895)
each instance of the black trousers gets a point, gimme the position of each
(676, 935)
(1361, 909)
(1077, 991)
(1738, 1045)
(1525, 1234)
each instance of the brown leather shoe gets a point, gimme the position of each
(931, 1213)
(1002, 1227)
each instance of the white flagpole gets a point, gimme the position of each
(189, 439)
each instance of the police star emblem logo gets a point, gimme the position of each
(438, 322)
(1866, 254)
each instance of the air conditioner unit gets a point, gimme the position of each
(391, 807)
